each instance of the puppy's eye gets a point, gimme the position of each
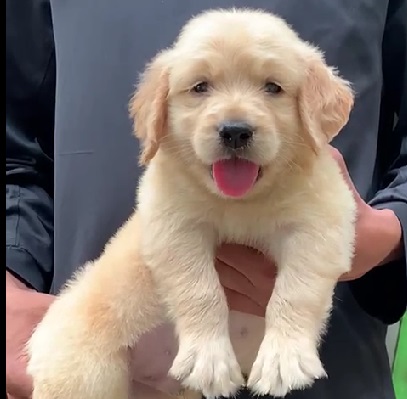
(272, 88)
(201, 87)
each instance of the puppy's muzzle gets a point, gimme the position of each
(235, 134)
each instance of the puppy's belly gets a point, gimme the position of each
(246, 332)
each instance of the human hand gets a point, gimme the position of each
(378, 232)
(24, 310)
(247, 278)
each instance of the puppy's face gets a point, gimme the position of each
(238, 98)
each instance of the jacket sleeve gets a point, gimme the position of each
(383, 291)
(30, 95)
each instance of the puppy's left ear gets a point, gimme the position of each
(149, 109)
(325, 102)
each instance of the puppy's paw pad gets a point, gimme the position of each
(284, 365)
(209, 367)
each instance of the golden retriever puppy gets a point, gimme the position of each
(235, 120)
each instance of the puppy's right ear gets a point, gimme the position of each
(148, 107)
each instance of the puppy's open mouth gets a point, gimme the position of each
(235, 177)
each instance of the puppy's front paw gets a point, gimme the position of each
(208, 366)
(284, 364)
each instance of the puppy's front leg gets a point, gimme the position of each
(309, 267)
(182, 262)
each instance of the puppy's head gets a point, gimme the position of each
(238, 99)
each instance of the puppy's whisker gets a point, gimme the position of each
(182, 144)
(179, 139)
(179, 151)
(172, 146)
(295, 143)
(283, 141)
(290, 164)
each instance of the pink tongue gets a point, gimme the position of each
(234, 177)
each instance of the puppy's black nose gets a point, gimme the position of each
(235, 134)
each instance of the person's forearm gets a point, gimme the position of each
(388, 229)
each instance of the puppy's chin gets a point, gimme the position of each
(235, 177)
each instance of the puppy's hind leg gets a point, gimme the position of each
(79, 350)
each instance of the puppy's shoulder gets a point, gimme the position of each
(325, 188)
(327, 177)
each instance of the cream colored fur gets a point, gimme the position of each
(300, 212)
